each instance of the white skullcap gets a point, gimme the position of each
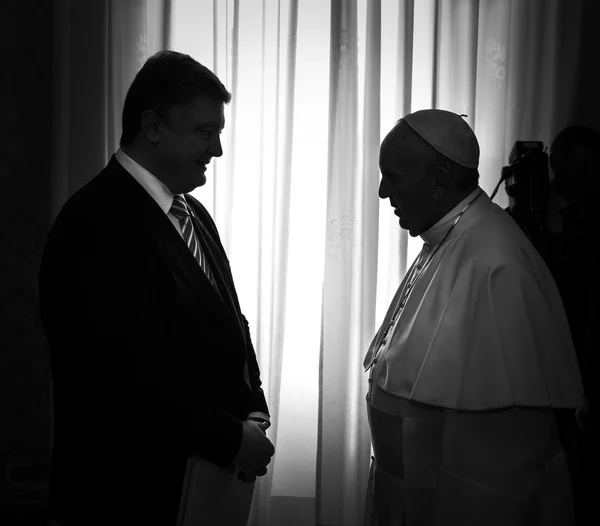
(448, 133)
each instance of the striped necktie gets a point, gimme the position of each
(180, 210)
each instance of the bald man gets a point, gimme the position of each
(473, 355)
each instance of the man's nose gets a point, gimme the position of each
(215, 148)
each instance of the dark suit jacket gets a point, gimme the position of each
(147, 359)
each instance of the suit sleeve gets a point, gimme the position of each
(259, 403)
(102, 321)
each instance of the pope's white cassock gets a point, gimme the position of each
(462, 385)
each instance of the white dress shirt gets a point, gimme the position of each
(154, 186)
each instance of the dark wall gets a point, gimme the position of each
(25, 134)
(587, 108)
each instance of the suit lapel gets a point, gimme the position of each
(220, 269)
(214, 252)
(178, 256)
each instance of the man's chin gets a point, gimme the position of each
(191, 184)
(198, 178)
(201, 181)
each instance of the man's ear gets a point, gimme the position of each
(151, 123)
(441, 183)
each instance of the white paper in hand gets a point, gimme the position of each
(211, 495)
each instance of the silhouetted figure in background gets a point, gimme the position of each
(574, 225)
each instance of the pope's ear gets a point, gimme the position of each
(441, 183)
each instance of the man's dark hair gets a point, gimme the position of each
(167, 79)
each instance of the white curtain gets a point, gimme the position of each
(316, 255)
(316, 86)
(98, 47)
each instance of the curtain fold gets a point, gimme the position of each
(136, 29)
(274, 174)
(343, 436)
(99, 45)
(61, 93)
(315, 254)
(371, 126)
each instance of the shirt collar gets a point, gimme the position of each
(436, 233)
(154, 186)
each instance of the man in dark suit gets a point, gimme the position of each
(151, 356)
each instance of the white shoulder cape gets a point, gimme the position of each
(484, 327)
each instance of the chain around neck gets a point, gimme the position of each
(409, 286)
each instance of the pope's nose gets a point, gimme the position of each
(383, 191)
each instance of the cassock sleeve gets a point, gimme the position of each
(495, 470)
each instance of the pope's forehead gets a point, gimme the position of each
(398, 144)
